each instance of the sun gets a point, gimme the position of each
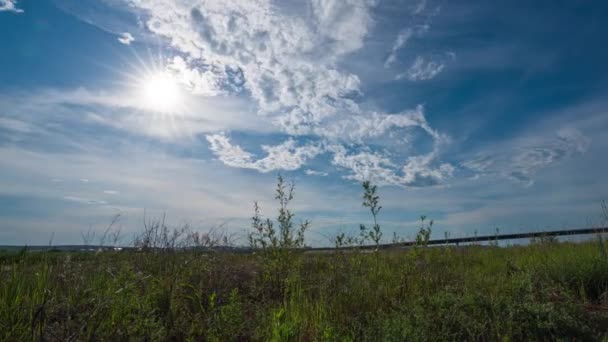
(160, 92)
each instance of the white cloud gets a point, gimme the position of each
(399, 43)
(521, 163)
(358, 128)
(186, 189)
(311, 172)
(285, 156)
(422, 70)
(365, 166)
(343, 24)
(206, 82)
(416, 28)
(207, 116)
(122, 109)
(420, 7)
(529, 160)
(15, 125)
(287, 63)
(9, 6)
(481, 163)
(418, 171)
(229, 154)
(126, 38)
(84, 200)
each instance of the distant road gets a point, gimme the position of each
(452, 241)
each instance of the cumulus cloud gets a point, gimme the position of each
(9, 6)
(126, 38)
(285, 62)
(285, 156)
(209, 81)
(521, 164)
(422, 70)
(342, 24)
(418, 171)
(288, 64)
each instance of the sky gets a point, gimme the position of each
(479, 115)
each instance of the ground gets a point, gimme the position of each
(544, 291)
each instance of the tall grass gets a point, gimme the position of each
(168, 290)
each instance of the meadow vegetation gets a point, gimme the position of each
(171, 288)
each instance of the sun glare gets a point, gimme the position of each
(160, 92)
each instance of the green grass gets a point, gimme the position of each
(549, 291)
(543, 291)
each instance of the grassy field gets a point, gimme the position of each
(543, 291)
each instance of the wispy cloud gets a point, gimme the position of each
(122, 109)
(184, 188)
(311, 172)
(85, 200)
(420, 7)
(521, 163)
(399, 43)
(533, 158)
(420, 24)
(116, 111)
(126, 38)
(9, 6)
(13, 124)
(422, 70)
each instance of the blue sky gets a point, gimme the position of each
(477, 114)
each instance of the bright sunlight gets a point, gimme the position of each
(160, 92)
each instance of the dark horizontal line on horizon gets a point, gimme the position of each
(449, 241)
